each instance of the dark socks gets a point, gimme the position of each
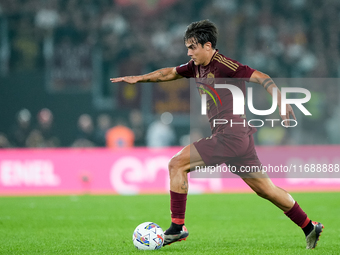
(299, 217)
(177, 207)
(308, 228)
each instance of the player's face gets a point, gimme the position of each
(197, 53)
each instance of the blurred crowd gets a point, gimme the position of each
(31, 132)
(292, 38)
(102, 131)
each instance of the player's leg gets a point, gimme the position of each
(207, 151)
(265, 188)
(179, 167)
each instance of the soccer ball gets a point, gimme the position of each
(148, 236)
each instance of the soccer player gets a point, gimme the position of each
(228, 144)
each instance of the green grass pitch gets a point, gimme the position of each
(218, 224)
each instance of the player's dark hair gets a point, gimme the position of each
(202, 32)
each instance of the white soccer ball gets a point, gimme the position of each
(148, 236)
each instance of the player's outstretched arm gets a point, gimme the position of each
(268, 84)
(164, 74)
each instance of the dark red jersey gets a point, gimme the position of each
(220, 70)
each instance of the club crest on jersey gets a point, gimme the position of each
(210, 77)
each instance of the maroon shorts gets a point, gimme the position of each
(233, 150)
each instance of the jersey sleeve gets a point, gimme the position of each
(234, 69)
(186, 70)
(243, 71)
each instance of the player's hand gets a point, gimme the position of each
(289, 111)
(127, 79)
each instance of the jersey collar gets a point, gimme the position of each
(216, 51)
